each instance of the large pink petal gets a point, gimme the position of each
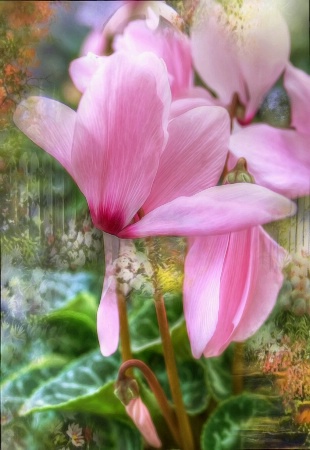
(167, 43)
(82, 69)
(263, 51)
(107, 316)
(217, 210)
(214, 52)
(50, 125)
(252, 256)
(202, 282)
(278, 159)
(262, 297)
(297, 85)
(240, 49)
(194, 157)
(119, 136)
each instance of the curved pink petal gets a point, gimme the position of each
(250, 280)
(194, 157)
(167, 43)
(263, 52)
(119, 136)
(297, 85)
(201, 288)
(82, 69)
(141, 417)
(50, 125)
(151, 11)
(196, 97)
(263, 297)
(240, 49)
(278, 159)
(107, 316)
(214, 53)
(217, 210)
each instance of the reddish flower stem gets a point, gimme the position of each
(184, 425)
(157, 390)
(124, 327)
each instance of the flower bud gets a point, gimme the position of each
(126, 390)
(140, 415)
(239, 174)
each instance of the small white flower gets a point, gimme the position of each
(75, 433)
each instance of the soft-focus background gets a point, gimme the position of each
(57, 389)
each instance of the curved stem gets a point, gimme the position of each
(157, 390)
(184, 425)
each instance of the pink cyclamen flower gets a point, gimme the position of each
(280, 159)
(127, 156)
(240, 47)
(124, 11)
(140, 415)
(168, 43)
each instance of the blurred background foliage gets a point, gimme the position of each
(57, 389)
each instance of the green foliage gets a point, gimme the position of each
(223, 430)
(219, 372)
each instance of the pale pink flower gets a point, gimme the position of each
(140, 415)
(168, 43)
(123, 12)
(74, 432)
(280, 159)
(240, 47)
(127, 156)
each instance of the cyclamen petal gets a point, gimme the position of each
(107, 316)
(297, 85)
(167, 43)
(82, 70)
(50, 125)
(278, 159)
(217, 210)
(230, 287)
(201, 289)
(263, 298)
(117, 175)
(240, 48)
(251, 279)
(194, 157)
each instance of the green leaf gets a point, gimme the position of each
(19, 386)
(223, 430)
(192, 378)
(219, 371)
(87, 385)
(125, 437)
(143, 320)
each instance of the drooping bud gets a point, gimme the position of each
(239, 174)
(141, 417)
(126, 389)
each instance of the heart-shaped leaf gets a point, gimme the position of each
(87, 385)
(223, 430)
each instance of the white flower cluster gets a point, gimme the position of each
(132, 269)
(77, 247)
